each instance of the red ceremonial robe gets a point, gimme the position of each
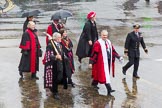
(100, 68)
(31, 45)
(52, 28)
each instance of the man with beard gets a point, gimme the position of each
(30, 49)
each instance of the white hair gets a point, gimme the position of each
(56, 35)
(30, 23)
(104, 32)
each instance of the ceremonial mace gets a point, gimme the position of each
(50, 38)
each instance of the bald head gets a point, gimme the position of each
(31, 25)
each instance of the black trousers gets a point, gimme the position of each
(132, 61)
(55, 84)
(54, 88)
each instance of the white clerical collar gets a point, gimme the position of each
(57, 43)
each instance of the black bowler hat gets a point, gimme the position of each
(136, 26)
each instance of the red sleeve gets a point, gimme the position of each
(49, 31)
(94, 54)
(114, 53)
(26, 46)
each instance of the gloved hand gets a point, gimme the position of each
(146, 51)
(121, 60)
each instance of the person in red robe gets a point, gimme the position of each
(102, 61)
(55, 26)
(30, 49)
(52, 28)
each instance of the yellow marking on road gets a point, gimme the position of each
(9, 6)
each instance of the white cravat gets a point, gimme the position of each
(137, 34)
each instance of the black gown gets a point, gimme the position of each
(89, 33)
(54, 72)
(30, 49)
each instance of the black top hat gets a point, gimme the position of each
(136, 26)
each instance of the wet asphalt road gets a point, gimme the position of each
(116, 16)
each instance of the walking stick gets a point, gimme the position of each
(50, 38)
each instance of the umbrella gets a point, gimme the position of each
(61, 14)
(30, 13)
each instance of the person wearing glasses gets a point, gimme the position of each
(102, 61)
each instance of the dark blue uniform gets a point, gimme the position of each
(132, 44)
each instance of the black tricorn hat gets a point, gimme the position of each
(136, 26)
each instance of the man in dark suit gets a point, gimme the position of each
(131, 50)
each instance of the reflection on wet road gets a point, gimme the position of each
(31, 95)
(132, 98)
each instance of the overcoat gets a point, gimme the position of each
(132, 44)
(67, 46)
(89, 33)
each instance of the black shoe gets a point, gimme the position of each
(124, 72)
(80, 60)
(65, 87)
(56, 96)
(71, 82)
(95, 87)
(109, 92)
(35, 77)
(136, 76)
(112, 91)
(73, 85)
(21, 74)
